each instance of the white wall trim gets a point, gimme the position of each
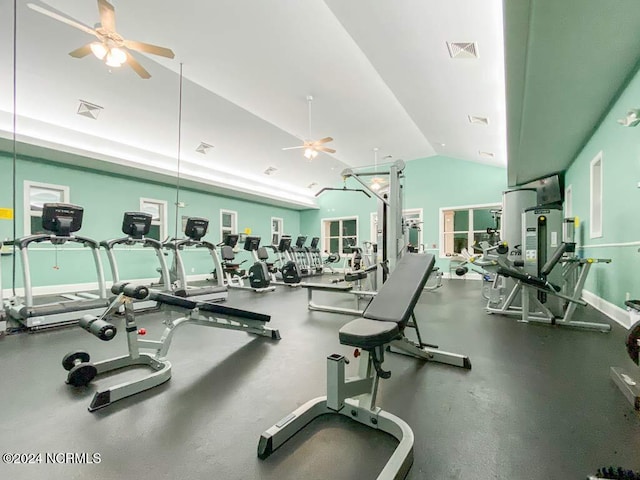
(603, 245)
(614, 312)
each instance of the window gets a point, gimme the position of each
(595, 224)
(339, 234)
(413, 226)
(462, 227)
(228, 223)
(158, 211)
(35, 196)
(276, 230)
(568, 202)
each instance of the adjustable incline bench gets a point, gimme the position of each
(381, 325)
(81, 371)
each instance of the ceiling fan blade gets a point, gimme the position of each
(107, 15)
(82, 51)
(139, 69)
(325, 149)
(62, 19)
(294, 148)
(149, 48)
(323, 140)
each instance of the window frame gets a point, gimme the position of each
(323, 221)
(280, 231)
(234, 222)
(596, 224)
(28, 213)
(162, 222)
(470, 230)
(568, 201)
(373, 221)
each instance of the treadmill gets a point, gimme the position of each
(62, 220)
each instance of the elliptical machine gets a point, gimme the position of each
(289, 271)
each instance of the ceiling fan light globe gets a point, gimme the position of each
(99, 49)
(310, 153)
(118, 54)
(112, 62)
(375, 187)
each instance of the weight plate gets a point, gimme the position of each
(81, 374)
(632, 343)
(69, 360)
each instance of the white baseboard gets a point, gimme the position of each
(614, 312)
(89, 286)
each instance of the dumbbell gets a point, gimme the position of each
(81, 372)
(98, 327)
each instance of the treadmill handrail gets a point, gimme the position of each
(24, 242)
(146, 242)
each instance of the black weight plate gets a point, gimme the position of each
(81, 374)
(69, 360)
(632, 343)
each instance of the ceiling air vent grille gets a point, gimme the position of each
(463, 49)
(270, 170)
(89, 110)
(203, 148)
(478, 120)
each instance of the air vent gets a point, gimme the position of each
(312, 184)
(463, 49)
(203, 148)
(90, 110)
(486, 154)
(478, 120)
(270, 170)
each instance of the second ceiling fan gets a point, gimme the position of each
(312, 147)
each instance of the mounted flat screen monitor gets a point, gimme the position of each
(136, 224)
(231, 239)
(300, 241)
(314, 242)
(251, 243)
(196, 228)
(549, 190)
(61, 218)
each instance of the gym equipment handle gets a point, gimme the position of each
(98, 327)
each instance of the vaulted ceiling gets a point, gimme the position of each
(380, 73)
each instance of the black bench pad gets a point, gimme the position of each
(352, 276)
(63, 307)
(330, 287)
(165, 298)
(367, 334)
(390, 310)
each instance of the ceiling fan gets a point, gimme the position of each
(312, 147)
(111, 46)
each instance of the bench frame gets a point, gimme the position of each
(359, 296)
(159, 349)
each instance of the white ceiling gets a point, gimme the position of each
(379, 72)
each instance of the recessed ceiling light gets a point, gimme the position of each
(90, 110)
(203, 148)
(486, 154)
(463, 49)
(478, 120)
(270, 170)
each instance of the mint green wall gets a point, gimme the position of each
(105, 198)
(430, 183)
(620, 148)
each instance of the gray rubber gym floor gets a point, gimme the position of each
(538, 403)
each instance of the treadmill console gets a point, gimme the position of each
(196, 228)
(61, 218)
(136, 224)
(300, 241)
(231, 239)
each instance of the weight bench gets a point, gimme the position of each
(382, 324)
(81, 372)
